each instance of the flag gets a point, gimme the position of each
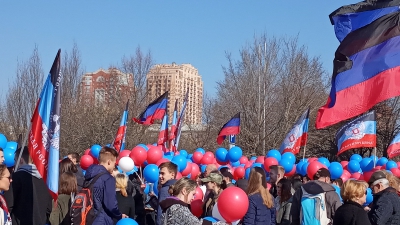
(154, 111)
(394, 147)
(163, 136)
(352, 17)
(366, 71)
(172, 133)
(361, 132)
(119, 141)
(180, 121)
(44, 136)
(297, 137)
(232, 127)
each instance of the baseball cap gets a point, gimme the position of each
(377, 175)
(213, 177)
(227, 174)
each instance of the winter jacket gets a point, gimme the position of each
(28, 199)
(139, 200)
(104, 201)
(351, 213)
(209, 205)
(176, 212)
(315, 187)
(258, 213)
(79, 177)
(162, 195)
(60, 213)
(385, 208)
(126, 205)
(283, 214)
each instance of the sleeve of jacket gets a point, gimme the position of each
(163, 194)
(334, 201)
(110, 201)
(132, 210)
(381, 211)
(273, 216)
(362, 219)
(286, 214)
(56, 216)
(295, 209)
(250, 215)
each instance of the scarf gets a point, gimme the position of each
(4, 207)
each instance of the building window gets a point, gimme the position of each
(100, 79)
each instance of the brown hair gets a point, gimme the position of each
(67, 183)
(74, 155)
(3, 167)
(339, 181)
(393, 181)
(286, 190)
(122, 183)
(171, 167)
(353, 189)
(183, 183)
(258, 184)
(107, 153)
(66, 165)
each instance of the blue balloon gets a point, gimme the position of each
(324, 161)
(356, 157)
(247, 173)
(298, 167)
(275, 154)
(290, 156)
(370, 197)
(12, 145)
(183, 153)
(391, 164)
(382, 161)
(143, 146)
(211, 219)
(233, 181)
(257, 165)
(189, 160)
(155, 188)
(203, 168)
(364, 164)
(353, 166)
(108, 145)
(95, 151)
(127, 221)
(151, 173)
(303, 160)
(3, 141)
(336, 170)
(253, 158)
(9, 156)
(286, 164)
(135, 169)
(155, 144)
(189, 156)
(169, 153)
(221, 154)
(374, 157)
(180, 161)
(234, 154)
(201, 150)
(147, 189)
(304, 169)
(84, 172)
(235, 164)
(169, 157)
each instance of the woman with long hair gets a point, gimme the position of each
(284, 187)
(213, 183)
(66, 165)
(261, 204)
(126, 204)
(175, 209)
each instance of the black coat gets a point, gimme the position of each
(126, 205)
(351, 213)
(385, 208)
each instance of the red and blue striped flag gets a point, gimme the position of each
(154, 111)
(394, 147)
(119, 141)
(297, 137)
(232, 127)
(163, 135)
(44, 136)
(172, 133)
(180, 122)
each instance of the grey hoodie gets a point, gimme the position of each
(315, 187)
(31, 169)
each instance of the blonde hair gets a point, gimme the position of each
(183, 183)
(258, 184)
(393, 181)
(122, 183)
(277, 169)
(353, 189)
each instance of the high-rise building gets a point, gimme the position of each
(105, 86)
(177, 79)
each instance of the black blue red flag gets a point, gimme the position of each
(352, 17)
(361, 132)
(394, 147)
(297, 137)
(172, 133)
(180, 122)
(366, 71)
(44, 136)
(232, 127)
(119, 141)
(163, 135)
(154, 111)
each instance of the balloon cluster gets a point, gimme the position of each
(9, 148)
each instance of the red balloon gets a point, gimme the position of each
(176, 153)
(206, 160)
(178, 176)
(395, 171)
(222, 163)
(195, 171)
(95, 160)
(233, 196)
(86, 161)
(356, 175)
(138, 155)
(398, 164)
(378, 167)
(243, 160)
(187, 170)
(196, 207)
(197, 156)
(312, 159)
(268, 186)
(345, 175)
(367, 175)
(239, 172)
(87, 151)
(344, 163)
(124, 153)
(161, 161)
(260, 159)
(313, 167)
(270, 161)
(248, 164)
(292, 172)
(198, 194)
(209, 154)
(154, 154)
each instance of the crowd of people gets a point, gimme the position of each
(273, 198)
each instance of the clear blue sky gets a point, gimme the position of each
(181, 31)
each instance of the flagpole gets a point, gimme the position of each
(374, 157)
(22, 147)
(304, 150)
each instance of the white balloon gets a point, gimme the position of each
(126, 164)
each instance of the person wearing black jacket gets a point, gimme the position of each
(125, 202)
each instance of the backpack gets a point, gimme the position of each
(313, 209)
(82, 211)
